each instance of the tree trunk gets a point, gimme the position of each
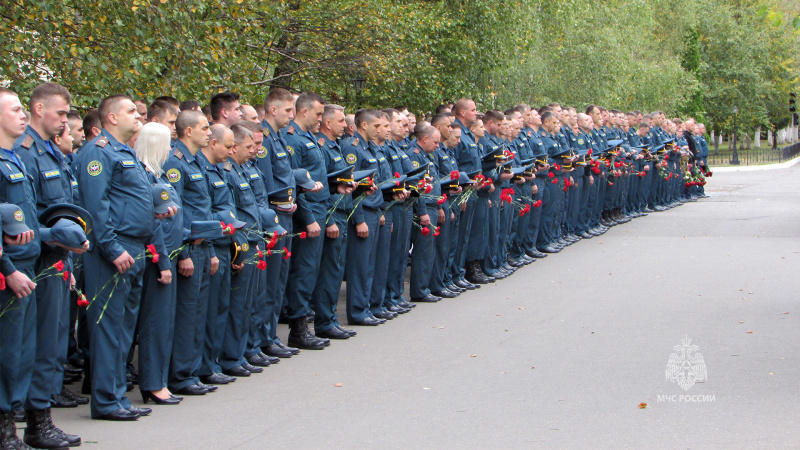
(757, 138)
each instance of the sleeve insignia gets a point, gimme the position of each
(351, 158)
(173, 175)
(94, 168)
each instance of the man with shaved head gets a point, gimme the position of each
(249, 113)
(196, 263)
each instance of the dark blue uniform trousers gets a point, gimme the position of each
(331, 274)
(112, 319)
(304, 265)
(382, 251)
(360, 266)
(17, 347)
(191, 308)
(402, 216)
(51, 300)
(219, 302)
(422, 258)
(243, 284)
(440, 278)
(277, 277)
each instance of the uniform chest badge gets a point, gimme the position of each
(414, 164)
(580, 141)
(291, 149)
(351, 158)
(94, 168)
(262, 153)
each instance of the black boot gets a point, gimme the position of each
(301, 337)
(8, 432)
(72, 439)
(38, 433)
(474, 273)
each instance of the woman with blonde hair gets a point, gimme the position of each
(157, 313)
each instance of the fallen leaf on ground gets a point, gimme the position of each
(473, 356)
(750, 332)
(642, 405)
(786, 312)
(338, 385)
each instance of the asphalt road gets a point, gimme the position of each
(561, 354)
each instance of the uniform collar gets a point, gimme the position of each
(115, 144)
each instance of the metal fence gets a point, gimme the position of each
(756, 156)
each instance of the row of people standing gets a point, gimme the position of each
(207, 232)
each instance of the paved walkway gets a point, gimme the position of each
(561, 354)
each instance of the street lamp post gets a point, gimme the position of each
(735, 158)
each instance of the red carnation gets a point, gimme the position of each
(428, 189)
(554, 181)
(436, 231)
(83, 301)
(269, 252)
(2, 282)
(260, 254)
(425, 231)
(59, 265)
(442, 199)
(617, 164)
(589, 152)
(286, 253)
(262, 265)
(303, 235)
(551, 174)
(537, 203)
(565, 188)
(489, 181)
(397, 174)
(454, 175)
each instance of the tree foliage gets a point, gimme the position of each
(698, 58)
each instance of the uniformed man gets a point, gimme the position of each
(18, 306)
(225, 108)
(362, 229)
(243, 277)
(442, 283)
(53, 184)
(331, 268)
(114, 188)
(310, 216)
(470, 252)
(212, 157)
(426, 212)
(276, 160)
(197, 262)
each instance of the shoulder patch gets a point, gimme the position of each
(416, 151)
(228, 166)
(178, 154)
(415, 164)
(321, 141)
(173, 175)
(102, 141)
(351, 158)
(28, 141)
(94, 168)
(290, 130)
(355, 141)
